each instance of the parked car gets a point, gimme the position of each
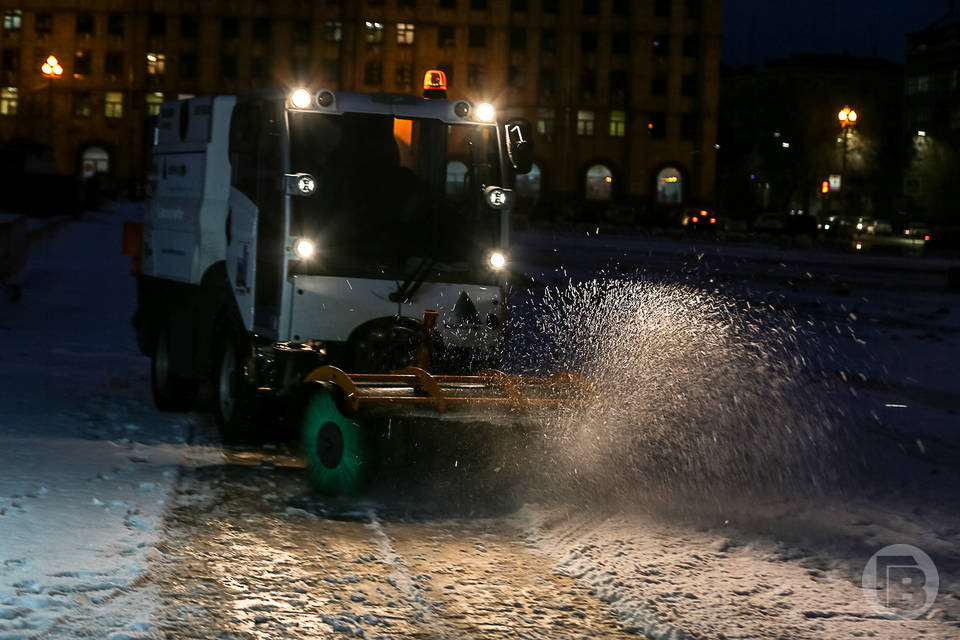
(699, 220)
(916, 230)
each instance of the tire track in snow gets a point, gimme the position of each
(401, 580)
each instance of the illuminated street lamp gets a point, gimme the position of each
(848, 118)
(51, 67)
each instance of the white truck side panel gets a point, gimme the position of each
(330, 308)
(216, 189)
(190, 200)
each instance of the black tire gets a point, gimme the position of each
(171, 392)
(233, 394)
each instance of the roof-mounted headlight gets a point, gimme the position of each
(301, 99)
(486, 112)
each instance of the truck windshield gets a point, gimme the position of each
(394, 194)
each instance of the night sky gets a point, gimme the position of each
(757, 30)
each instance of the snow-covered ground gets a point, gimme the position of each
(115, 524)
(86, 464)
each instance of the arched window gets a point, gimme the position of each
(456, 178)
(528, 184)
(669, 186)
(599, 186)
(95, 160)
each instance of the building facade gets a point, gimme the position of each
(781, 138)
(932, 121)
(622, 93)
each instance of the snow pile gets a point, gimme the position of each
(87, 463)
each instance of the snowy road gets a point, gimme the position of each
(238, 561)
(120, 522)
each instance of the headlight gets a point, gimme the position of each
(301, 99)
(498, 260)
(304, 248)
(486, 112)
(498, 197)
(306, 184)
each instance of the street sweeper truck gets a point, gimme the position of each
(349, 250)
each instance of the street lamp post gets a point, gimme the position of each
(848, 118)
(51, 69)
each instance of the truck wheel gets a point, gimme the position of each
(170, 391)
(335, 447)
(233, 395)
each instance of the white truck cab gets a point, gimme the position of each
(285, 230)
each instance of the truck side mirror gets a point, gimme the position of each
(519, 144)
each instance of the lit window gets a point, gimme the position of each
(584, 122)
(113, 104)
(599, 183)
(156, 63)
(669, 186)
(405, 33)
(82, 104)
(154, 100)
(545, 120)
(8, 101)
(373, 33)
(618, 123)
(12, 19)
(333, 31)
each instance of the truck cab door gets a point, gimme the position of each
(242, 254)
(255, 225)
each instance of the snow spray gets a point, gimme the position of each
(698, 394)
